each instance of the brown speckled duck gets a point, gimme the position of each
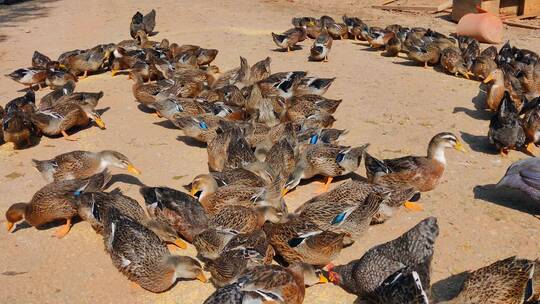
(54, 202)
(82, 164)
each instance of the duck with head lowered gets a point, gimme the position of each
(422, 173)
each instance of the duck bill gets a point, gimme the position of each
(9, 226)
(284, 192)
(459, 146)
(322, 279)
(193, 191)
(113, 73)
(180, 244)
(133, 170)
(100, 123)
(201, 277)
(488, 79)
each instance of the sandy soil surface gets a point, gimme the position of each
(390, 103)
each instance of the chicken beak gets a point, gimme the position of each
(133, 170)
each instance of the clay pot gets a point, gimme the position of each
(484, 27)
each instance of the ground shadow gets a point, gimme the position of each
(479, 102)
(145, 109)
(124, 178)
(14, 12)
(191, 142)
(293, 48)
(478, 143)
(410, 63)
(507, 197)
(448, 288)
(370, 49)
(167, 124)
(54, 224)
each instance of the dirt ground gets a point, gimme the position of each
(388, 102)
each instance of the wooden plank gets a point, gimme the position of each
(405, 8)
(530, 7)
(522, 25)
(510, 7)
(445, 5)
(463, 7)
(388, 2)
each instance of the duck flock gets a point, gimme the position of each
(264, 133)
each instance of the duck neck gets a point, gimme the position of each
(436, 152)
(209, 189)
(16, 212)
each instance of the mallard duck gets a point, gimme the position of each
(425, 52)
(485, 63)
(24, 104)
(64, 116)
(470, 50)
(202, 128)
(54, 96)
(124, 60)
(379, 38)
(313, 85)
(281, 159)
(260, 70)
(531, 121)
(145, 23)
(421, 173)
(243, 219)
(183, 212)
(453, 63)
(89, 61)
(288, 39)
(238, 76)
(140, 255)
(17, 129)
(210, 242)
(54, 202)
(298, 240)
(505, 129)
(82, 164)
(335, 29)
(237, 176)
(269, 283)
(326, 160)
(59, 78)
(83, 99)
(229, 149)
(40, 60)
(343, 215)
(303, 106)
(412, 251)
(529, 76)
(29, 76)
(213, 197)
(506, 281)
(525, 176)
(147, 93)
(206, 56)
(240, 252)
(320, 136)
(281, 84)
(169, 107)
(321, 47)
(93, 206)
(354, 26)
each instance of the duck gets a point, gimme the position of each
(54, 202)
(82, 164)
(168, 107)
(213, 198)
(59, 78)
(298, 240)
(281, 84)
(425, 52)
(260, 70)
(321, 136)
(326, 160)
(412, 251)
(505, 129)
(531, 121)
(523, 175)
(18, 129)
(142, 22)
(147, 93)
(354, 26)
(141, 256)
(229, 149)
(40, 60)
(90, 61)
(422, 173)
(124, 60)
(303, 106)
(206, 56)
(269, 283)
(202, 128)
(321, 47)
(496, 89)
(280, 160)
(83, 99)
(180, 210)
(238, 76)
(55, 95)
(29, 76)
(378, 37)
(288, 39)
(64, 116)
(485, 63)
(343, 215)
(314, 86)
(93, 206)
(242, 218)
(211, 242)
(453, 62)
(25, 104)
(506, 281)
(236, 176)
(335, 29)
